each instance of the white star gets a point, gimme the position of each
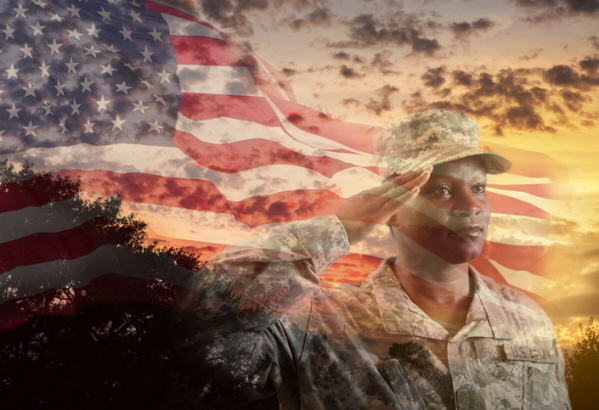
(155, 126)
(156, 34)
(59, 88)
(135, 16)
(9, 32)
(111, 49)
(123, 88)
(147, 54)
(159, 99)
(54, 47)
(86, 84)
(89, 126)
(136, 4)
(164, 76)
(126, 34)
(111, 1)
(102, 104)
(63, 126)
(1, 91)
(146, 83)
(140, 107)
(37, 29)
(47, 108)
(20, 11)
(71, 66)
(75, 107)
(93, 31)
(29, 90)
(12, 71)
(129, 66)
(74, 11)
(117, 123)
(1, 132)
(91, 50)
(74, 33)
(56, 17)
(107, 69)
(26, 50)
(40, 3)
(105, 15)
(44, 69)
(30, 129)
(14, 111)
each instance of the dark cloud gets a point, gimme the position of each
(594, 42)
(462, 78)
(383, 63)
(342, 55)
(349, 72)
(433, 77)
(532, 56)
(350, 101)
(517, 99)
(321, 16)
(288, 72)
(589, 64)
(365, 30)
(382, 100)
(553, 9)
(464, 29)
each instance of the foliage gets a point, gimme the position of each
(582, 371)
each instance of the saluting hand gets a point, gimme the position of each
(377, 205)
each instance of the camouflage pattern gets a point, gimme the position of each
(369, 346)
(432, 137)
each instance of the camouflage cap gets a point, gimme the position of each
(433, 137)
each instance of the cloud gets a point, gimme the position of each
(382, 63)
(349, 72)
(589, 64)
(465, 29)
(366, 30)
(382, 100)
(321, 16)
(594, 42)
(433, 77)
(555, 9)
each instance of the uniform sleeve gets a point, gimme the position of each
(258, 280)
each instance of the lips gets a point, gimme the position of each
(470, 231)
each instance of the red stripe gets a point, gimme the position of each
(356, 136)
(200, 107)
(205, 51)
(248, 154)
(46, 247)
(503, 204)
(105, 288)
(204, 196)
(33, 192)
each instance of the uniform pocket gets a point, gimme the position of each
(537, 391)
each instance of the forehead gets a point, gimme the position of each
(465, 168)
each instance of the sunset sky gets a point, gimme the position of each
(528, 70)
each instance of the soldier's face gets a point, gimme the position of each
(450, 216)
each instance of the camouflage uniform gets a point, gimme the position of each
(369, 346)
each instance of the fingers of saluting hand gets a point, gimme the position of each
(403, 186)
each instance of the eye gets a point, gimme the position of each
(442, 191)
(480, 188)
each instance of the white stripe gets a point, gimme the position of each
(225, 130)
(513, 179)
(182, 27)
(51, 218)
(222, 80)
(222, 228)
(25, 281)
(526, 231)
(526, 281)
(552, 206)
(172, 163)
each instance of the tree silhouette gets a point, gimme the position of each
(582, 370)
(119, 341)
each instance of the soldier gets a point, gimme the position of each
(424, 331)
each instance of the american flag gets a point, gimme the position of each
(201, 139)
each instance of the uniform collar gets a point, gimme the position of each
(486, 316)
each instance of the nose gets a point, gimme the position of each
(466, 205)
